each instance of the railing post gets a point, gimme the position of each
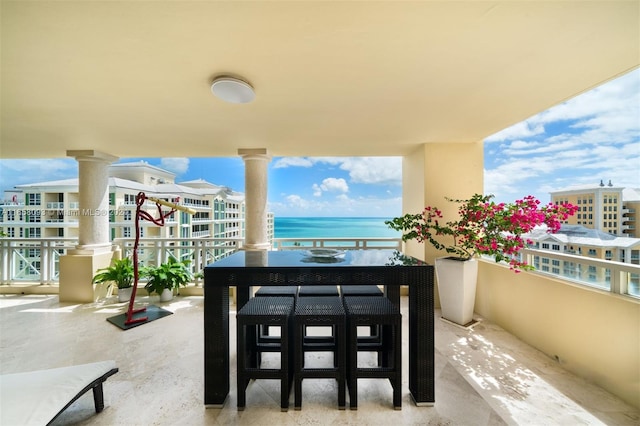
(4, 260)
(44, 262)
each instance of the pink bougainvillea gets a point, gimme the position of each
(484, 227)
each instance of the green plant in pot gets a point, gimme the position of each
(483, 227)
(120, 273)
(167, 277)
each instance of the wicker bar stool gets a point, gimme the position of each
(364, 290)
(378, 311)
(318, 290)
(257, 312)
(268, 291)
(320, 312)
(360, 290)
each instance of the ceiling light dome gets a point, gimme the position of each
(233, 90)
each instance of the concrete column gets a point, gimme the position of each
(255, 187)
(94, 250)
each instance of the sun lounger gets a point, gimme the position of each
(38, 397)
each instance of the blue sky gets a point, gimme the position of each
(591, 137)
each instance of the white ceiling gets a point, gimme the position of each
(133, 78)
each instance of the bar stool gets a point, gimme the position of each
(318, 290)
(360, 290)
(364, 290)
(320, 312)
(264, 311)
(267, 291)
(378, 311)
(277, 290)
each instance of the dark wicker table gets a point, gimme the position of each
(356, 267)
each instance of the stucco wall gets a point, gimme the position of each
(593, 333)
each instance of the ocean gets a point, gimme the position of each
(333, 227)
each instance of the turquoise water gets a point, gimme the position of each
(333, 227)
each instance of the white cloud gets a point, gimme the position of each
(523, 129)
(341, 205)
(591, 137)
(16, 172)
(292, 162)
(330, 185)
(177, 165)
(333, 184)
(366, 170)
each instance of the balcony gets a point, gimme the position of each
(551, 326)
(485, 376)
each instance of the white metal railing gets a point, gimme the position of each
(32, 260)
(616, 277)
(36, 260)
(199, 251)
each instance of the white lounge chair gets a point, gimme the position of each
(38, 397)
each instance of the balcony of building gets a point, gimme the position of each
(487, 375)
(556, 316)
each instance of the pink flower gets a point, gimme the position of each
(485, 227)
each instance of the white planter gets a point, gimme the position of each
(457, 287)
(166, 295)
(124, 294)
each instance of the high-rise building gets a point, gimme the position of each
(51, 209)
(605, 207)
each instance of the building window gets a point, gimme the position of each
(592, 252)
(33, 199)
(34, 233)
(555, 247)
(127, 215)
(11, 232)
(11, 215)
(126, 232)
(545, 246)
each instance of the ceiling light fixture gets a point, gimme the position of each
(233, 90)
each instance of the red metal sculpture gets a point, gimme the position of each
(143, 215)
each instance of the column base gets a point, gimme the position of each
(76, 273)
(261, 246)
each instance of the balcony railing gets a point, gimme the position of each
(30, 261)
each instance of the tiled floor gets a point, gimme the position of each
(483, 377)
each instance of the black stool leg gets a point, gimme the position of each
(242, 363)
(284, 360)
(353, 365)
(340, 335)
(298, 363)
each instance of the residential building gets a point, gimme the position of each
(608, 208)
(51, 209)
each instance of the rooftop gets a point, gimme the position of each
(484, 376)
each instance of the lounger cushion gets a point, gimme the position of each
(36, 397)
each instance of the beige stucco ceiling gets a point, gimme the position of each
(133, 78)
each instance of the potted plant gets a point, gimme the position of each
(121, 273)
(485, 228)
(167, 277)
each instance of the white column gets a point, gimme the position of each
(93, 251)
(93, 188)
(255, 187)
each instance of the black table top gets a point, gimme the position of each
(316, 258)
